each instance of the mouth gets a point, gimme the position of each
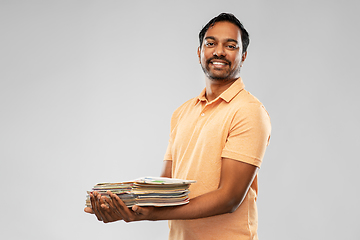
(219, 63)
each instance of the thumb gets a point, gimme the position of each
(136, 209)
(88, 210)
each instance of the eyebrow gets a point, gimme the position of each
(227, 40)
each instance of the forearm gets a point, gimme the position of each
(210, 204)
(166, 170)
(236, 178)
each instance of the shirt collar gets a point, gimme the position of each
(228, 94)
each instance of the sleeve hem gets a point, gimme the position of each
(242, 158)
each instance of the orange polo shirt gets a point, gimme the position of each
(235, 125)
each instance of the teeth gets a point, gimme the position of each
(218, 63)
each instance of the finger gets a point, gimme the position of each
(113, 213)
(108, 212)
(94, 205)
(127, 214)
(139, 211)
(144, 213)
(136, 209)
(117, 202)
(115, 208)
(102, 208)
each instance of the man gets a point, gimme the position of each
(217, 139)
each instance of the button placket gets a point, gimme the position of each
(203, 110)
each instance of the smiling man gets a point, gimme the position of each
(221, 57)
(218, 139)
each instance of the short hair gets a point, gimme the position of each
(227, 17)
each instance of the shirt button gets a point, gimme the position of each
(203, 114)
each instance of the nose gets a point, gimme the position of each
(219, 51)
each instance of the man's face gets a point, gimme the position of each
(221, 55)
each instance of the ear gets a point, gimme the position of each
(198, 52)
(243, 57)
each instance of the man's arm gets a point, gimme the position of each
(166, 171)
(236, 178)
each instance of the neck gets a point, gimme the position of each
(215, 88)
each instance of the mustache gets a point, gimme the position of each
(218, 58)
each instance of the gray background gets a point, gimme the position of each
(87, 89)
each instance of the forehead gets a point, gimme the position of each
(224, 30)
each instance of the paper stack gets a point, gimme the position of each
(147, 191)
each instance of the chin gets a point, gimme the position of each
(219, 77)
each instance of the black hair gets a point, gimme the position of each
(227, 17)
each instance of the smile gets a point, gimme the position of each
(218, 64)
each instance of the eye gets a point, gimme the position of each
(231, 46)
(209, 44)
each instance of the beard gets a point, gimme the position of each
(223, 75)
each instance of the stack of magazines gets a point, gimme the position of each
(147, 191)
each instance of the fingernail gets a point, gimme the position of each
(135, 208)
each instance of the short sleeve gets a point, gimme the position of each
(249, 134)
